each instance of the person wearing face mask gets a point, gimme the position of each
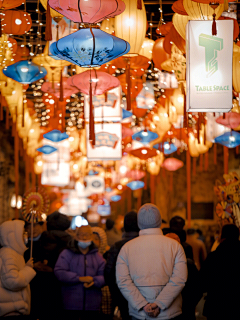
(15, 274)
(80, 270)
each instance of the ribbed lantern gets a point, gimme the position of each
(180, 22)
(201, 11)
(147, 47)
(131, 25)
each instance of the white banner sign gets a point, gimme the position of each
(108, 145)
(209, 66)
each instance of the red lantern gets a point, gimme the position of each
(16, 22)
(23, 51)
(164, 29)
(159, 54)
(178, 7)
(231, 120)
(136, 85)
(6, 4)
(143, 153)
(12, 43)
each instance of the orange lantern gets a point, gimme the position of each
(16, 22)
(136, 85)
(6, 4)
(23, 51)
(178, 7)
(159, 54)
(164, 29)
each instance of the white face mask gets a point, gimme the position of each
(84, 244)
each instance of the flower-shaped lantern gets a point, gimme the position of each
(231, 120)
(145, 136)
(135, 185)
(46, 149)
(172, 164)
(55, 88)
(168, 148)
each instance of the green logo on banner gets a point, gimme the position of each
(212, 45)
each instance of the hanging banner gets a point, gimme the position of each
(108, 145)
(209, 66)
(106, 106)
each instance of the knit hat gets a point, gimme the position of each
(149, 216)
(57, 221)
(103, 239)
(130, 222)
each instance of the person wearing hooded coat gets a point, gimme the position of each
(15, 274)
(80, 269)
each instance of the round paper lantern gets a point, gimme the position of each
(54, 89)
(89, 47)
(88, 11)
(164, 29)
(172, 164)
(180, 22)
(178, 7)
(16, 22)
(159, 55)
(143, 153)
(201, 11)
(177, 39)
(136, 85)
(24, 52)
(25, 72)
(131, 25)
(108, 25)
(6, 4)
(146, 49)
(167, 44)
(101, 82)
(12, 44)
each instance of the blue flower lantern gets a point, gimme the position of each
(135, 185)
(229, 139)
(25, 72)
(115, 198)
(89, 47)
(56, 136)
(168, 148)
(145, 136)
(47, 149)
(126, 114)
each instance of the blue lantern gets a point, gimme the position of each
(108, 189)
(56, 135)
(89, 47)
(47, 149)
(115, 198)
(168, 148)
(135, 185)
(25, 72)
(145, 136)
(92, 172)
(229, 139)
(126, 114)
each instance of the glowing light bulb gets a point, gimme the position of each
(18, 21)
(232, 138)
(123, 169)
(51, 101)
(75, 166)
(71, 138)
(180, 99)
(144, 151)
(24, 69)
(166, 146)
(39, 163)
(145, 133)
(129, 22)
(95, 80)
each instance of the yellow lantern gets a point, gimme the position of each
(154, 164)
(236, 71)
(131, 25)
(178, 101)
(54, 14)
(180, 21)
(147, 47)
(38, 165)
(108, 25)
(201, 11)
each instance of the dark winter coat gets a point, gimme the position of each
(220, 278)
(71, 265)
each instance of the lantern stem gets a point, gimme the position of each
(48, 29)
(91, 116)
(139, 4)
(128, 80)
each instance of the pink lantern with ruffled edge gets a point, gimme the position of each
(54, 89)
(91, 11)
(232, 120)
(172, 164)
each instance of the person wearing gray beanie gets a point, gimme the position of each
(151, 270)
(149, 217)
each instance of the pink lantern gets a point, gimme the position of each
(135, 174)
(91, 11)
(172, 164)
(93, 82)
(54, 89)
(232, 120)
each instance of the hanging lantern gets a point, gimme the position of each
(201, 11)
(172, 164)
(229, 139)
(231, 120)
(92, 11)
(178, 7)
(143, 153)
(16, 22)
(145, 136)
(56, 136)
(180, 21)
(147, 47)
(159, 55)
(25, 72)
(135, 185)
(164, 28)
(168, 148)
(87, 47)
(6, 4)
(131, 25)
(55, 88)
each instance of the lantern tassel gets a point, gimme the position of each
(225, 5)
(61, 87)
(48, 29)
(214, 26)
(91, 117)
(139, 4)
(128, 80)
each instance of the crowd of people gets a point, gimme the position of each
(137, 270)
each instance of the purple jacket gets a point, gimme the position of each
(71, 265)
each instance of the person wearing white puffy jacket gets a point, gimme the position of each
(151, 270)
(15, 274)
